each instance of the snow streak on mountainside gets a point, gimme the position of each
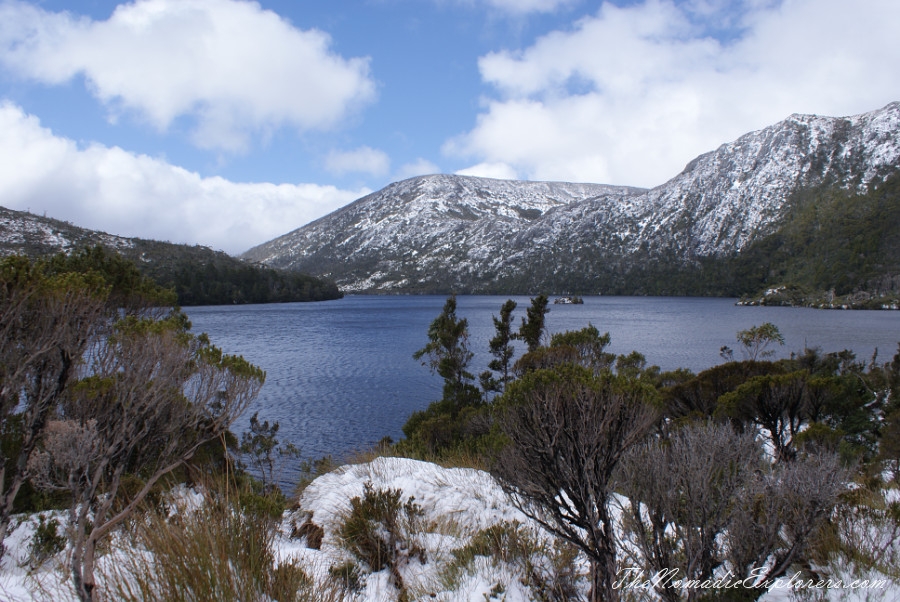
(441, 233)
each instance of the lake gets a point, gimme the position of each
(340, 374)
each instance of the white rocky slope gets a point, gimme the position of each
(470, 234)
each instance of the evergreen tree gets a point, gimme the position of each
(448, 354)
(532, 329)
(502, 350)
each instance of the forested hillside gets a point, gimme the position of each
(832, 248)
(198, 275)
(201, 276)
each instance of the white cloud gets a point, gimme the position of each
(631, 94)
(498, 171)
(419, 167)
(361, 160)
(237, 70)
(118, 192)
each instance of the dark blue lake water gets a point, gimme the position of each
(340, 374)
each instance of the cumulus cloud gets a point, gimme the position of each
(630, 94)
(236, 70)
(361, 160)
(109, 189)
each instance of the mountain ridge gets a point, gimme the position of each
(457, 233)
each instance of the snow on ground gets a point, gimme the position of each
(21, 577)
(470, 497)
(456, 504)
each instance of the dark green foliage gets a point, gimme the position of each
(216, 279)
(698, 397)
(128, 286)
(502, 350)
(831, 240)
(843, 399)
(533, 326)
(448, 355)
(589, 346)
(757, 339)
(889, 452)
(775, 402)
(461, 421)
(380, 531)
(448, 350)
(46, 541)
(631, 366)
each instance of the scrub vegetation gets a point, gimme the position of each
(116, 438)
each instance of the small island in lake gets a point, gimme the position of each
(569, 300)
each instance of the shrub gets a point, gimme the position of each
(865, 531)
(45, 542)
(214, 552)
(547, 566)
(380, 531)
(347, 575)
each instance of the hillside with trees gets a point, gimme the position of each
(198, 275)
(691, 235)
(833, 249)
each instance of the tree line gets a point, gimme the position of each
(739, 470)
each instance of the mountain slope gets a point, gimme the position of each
(199, 275)
(424, 233)
(832, 249)
(441, 233)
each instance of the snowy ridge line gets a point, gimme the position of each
(474, 231)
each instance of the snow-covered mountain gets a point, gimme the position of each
(440, 233)
(403, 235)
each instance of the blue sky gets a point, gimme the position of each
(227, 123)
